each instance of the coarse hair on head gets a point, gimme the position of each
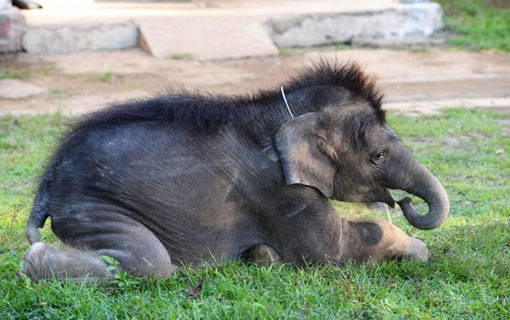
(206, 113)
(346, 76)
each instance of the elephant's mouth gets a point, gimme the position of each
(388, 199)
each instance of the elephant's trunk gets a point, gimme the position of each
(426, 186)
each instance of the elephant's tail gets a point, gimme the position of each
(40, 209)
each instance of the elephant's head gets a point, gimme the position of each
(349, 153)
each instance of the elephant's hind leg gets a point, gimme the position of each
(42, 261)
(136, 249)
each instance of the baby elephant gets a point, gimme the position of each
(189, 178)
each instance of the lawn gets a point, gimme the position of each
(478, 24)
(467, 276)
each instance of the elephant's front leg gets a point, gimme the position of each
(322, 235)
(379, 240)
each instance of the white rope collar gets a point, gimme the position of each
(286, 103)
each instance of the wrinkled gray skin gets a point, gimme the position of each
(188, 198)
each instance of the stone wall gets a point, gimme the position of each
(403, 23)
(65, 39)
(11, 27)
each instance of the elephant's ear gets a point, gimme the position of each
(302, 159)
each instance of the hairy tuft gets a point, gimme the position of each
(346, 76)
(206, 113)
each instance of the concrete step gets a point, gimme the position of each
(210, 38)
(224, 29)
(73, 38)
(404, 23)
(11, 27)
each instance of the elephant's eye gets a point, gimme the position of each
(379, 155)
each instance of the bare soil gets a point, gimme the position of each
(81, 82)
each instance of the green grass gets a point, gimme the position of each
(181, 56)
(287, 52)
(15, 74)
(467, 276)
(479, 24)
(10, 73)
(103, 77)
(59, 93)
(107, 77)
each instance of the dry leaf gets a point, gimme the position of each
(392, 285)
(195, 291)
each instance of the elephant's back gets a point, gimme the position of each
(188, 189)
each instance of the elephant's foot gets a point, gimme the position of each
(42, 262)
(263, 254)
(35, 261)
(417, 250)
(381, 240)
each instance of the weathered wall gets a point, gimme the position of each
(405, 22)
(11, 27)
(80, 38)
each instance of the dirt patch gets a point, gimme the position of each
(447, 143)
(505, 110)
(505, 131)
(455, 141)
(504, 121)
(503, 4)
(421, 140)
(83, 81)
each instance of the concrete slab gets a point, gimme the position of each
(11, 28)
(65, 39)
(58, 12)
(230, 29)
(205, 38)
(17, 89)
(4, 4)
(403, 23)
